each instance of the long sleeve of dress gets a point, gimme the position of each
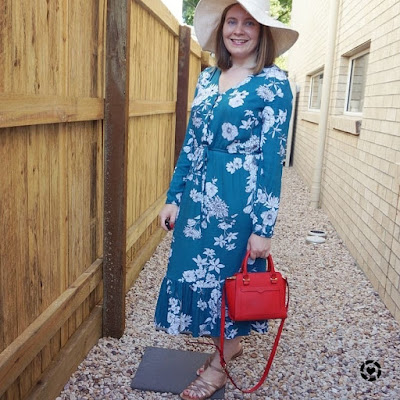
(275, 119)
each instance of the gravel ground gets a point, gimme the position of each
(337, 322)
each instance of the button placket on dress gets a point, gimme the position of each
(202, 164)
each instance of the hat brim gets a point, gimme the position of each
(208, 16)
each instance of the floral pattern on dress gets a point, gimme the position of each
(227, 184)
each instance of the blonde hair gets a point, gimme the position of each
(266, 51)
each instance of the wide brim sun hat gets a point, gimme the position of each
(208, 15)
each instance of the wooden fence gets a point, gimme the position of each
(52, 116)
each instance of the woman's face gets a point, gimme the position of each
(240, 33)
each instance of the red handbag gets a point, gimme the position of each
(252, 296)
(257, 295)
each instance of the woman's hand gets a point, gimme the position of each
(169, 211)
(258, 246)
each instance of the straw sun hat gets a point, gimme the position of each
(208, 16)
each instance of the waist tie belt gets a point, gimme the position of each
(199, 167)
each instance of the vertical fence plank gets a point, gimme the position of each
(10, 154)
(115, 170)
(31, 278)
(183, 87)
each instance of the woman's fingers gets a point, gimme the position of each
(258, 246)
(168, 216)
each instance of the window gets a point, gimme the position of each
(316, 91)
(356, 84)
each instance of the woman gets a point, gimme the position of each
(226, 185)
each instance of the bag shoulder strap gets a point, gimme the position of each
(221, 351)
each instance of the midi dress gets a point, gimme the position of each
(227, 184)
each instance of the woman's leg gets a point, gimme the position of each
(234, 350)
(231, 347)
(214, 374)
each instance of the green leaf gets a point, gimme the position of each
(188, 10)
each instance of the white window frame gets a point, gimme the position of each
(312, 77)
(349, 82)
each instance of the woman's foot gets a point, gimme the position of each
(206, 364)
(216, 354)
(211, 380)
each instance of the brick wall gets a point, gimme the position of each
(361, 179)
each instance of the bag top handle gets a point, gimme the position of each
(271, 267)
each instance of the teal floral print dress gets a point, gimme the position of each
(227, 185)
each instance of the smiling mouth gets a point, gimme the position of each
(239, 41)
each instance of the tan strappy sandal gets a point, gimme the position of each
(204, 389)
(209, 359)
